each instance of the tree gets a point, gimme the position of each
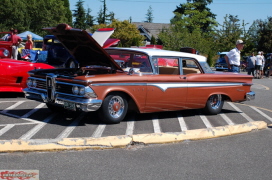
(192, 27)
(195, 14)
(229, 33)
(12, 18)
(103, 17)
(265, 35)
(153, 40)
(32, 15)
(149, 15)
(127, 33)
(68, 14)
(80, 15)
(89, 18)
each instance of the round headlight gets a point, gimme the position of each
(29, 82)
(81, 91)
(34, 83)
(6, 53)
(75, 89)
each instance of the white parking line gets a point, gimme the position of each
(130, 126)
(241, 112)
(33, 110)
(228, 120)
(17, 124)
(262, 113)
(6, 128)
(72, 126)
(182, 123)
(38, 127)
(205, 121)
(13, 106)
(99, 131)
(156, 124)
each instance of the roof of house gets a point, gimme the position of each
(151, 28)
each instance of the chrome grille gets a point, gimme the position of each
(59, 87)
(41, 84)
(64, 88)
(50, 86)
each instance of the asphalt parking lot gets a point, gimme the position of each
(27, 125)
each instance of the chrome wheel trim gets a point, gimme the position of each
(215, 101)
(72, 64)
(111, 109)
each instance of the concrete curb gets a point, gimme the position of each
(125, 140)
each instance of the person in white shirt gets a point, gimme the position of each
(259, 64)
(262, 67)
(233, 57)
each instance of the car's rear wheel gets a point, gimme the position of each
(114, 108)
(54, 108)
(214, 104)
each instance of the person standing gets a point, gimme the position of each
(263, 64)
(29, 42)
(16, 40)
(259, 63)
(233, 57)
(251, 64)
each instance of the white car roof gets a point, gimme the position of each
(160, 52)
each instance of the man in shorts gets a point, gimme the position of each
(259, 64)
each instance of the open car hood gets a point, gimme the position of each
(82, 46)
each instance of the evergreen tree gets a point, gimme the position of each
(229, 33)
(80, 16)
(102, 16)
(89, 18)
(195, 14)
(153, 40)
(149, 15)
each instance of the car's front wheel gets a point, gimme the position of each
(71, 64)
(214, 104)
(114, 108)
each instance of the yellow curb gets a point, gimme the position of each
(104, 142)
(124, 141)
(199, 133)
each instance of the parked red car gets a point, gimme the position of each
(14, 74)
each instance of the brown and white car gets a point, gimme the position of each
(150, 80)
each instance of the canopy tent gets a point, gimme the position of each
(34, 36)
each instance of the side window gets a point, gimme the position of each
(139, 62)
(189, 66)
(166, 65)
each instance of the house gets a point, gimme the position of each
(149, 29)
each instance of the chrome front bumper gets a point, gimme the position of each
(250, 95)
(82, 104)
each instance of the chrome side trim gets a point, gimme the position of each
(165, 86)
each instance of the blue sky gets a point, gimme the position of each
(248, 10)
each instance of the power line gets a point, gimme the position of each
(144, 1)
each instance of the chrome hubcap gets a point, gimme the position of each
(116, 106)
(215, 101)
